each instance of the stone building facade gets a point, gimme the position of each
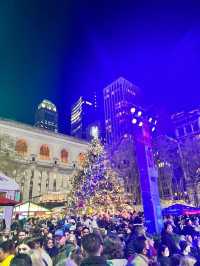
(124, 162)
(49, 159)
(187, 133)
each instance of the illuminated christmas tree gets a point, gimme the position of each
(94, 184)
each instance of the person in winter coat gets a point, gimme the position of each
(189, 229)
(163, 256)
(51, 249)
(113, 251)
(93, 246)
(6, 253)
(141, 248)
(168, 238)
(138, 231)
(21, 260)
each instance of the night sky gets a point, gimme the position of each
(62, 49)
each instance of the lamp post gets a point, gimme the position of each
(143, 127)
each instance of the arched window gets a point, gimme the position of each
(64, 156)
(44, 152)
(81, 158)
(21, 147)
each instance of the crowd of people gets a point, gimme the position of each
(103, 240)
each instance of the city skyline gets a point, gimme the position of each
(83, 116)
(58, 51)
(101, 101)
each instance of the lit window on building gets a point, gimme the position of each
(44, 152)
(21, 147)
(64, 156)
(81, 158)
(161, 164)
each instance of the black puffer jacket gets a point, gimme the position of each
(94, 261)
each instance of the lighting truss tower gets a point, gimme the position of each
(143, 127)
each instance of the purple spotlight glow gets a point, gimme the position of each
(133, 109)
(134, 121)
(153, 129)
(150, 119)
(139, 113)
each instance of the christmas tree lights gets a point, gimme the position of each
(95, 186)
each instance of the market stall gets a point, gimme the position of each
(180, 209)
(9, 197)
(29, 208)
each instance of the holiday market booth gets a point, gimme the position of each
(9, 197)
(30, 209)
(180, 209)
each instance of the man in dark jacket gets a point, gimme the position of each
(189, 229)
(93, 245)
(168, 239)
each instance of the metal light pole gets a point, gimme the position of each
(148, 172)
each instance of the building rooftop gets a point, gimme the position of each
(185, 114)
(122, 80)
(9, 122)
(46, 104)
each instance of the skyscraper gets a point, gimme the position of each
(83, 119)
(119, 97)
(46, 116)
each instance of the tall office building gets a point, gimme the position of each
(186, 123)
(119, 97)
(46, 116)
(83, 119)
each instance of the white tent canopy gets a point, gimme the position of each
(29, 207)
(7, 183)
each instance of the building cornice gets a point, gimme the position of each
(43, 132)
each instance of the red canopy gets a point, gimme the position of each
(7, 202)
